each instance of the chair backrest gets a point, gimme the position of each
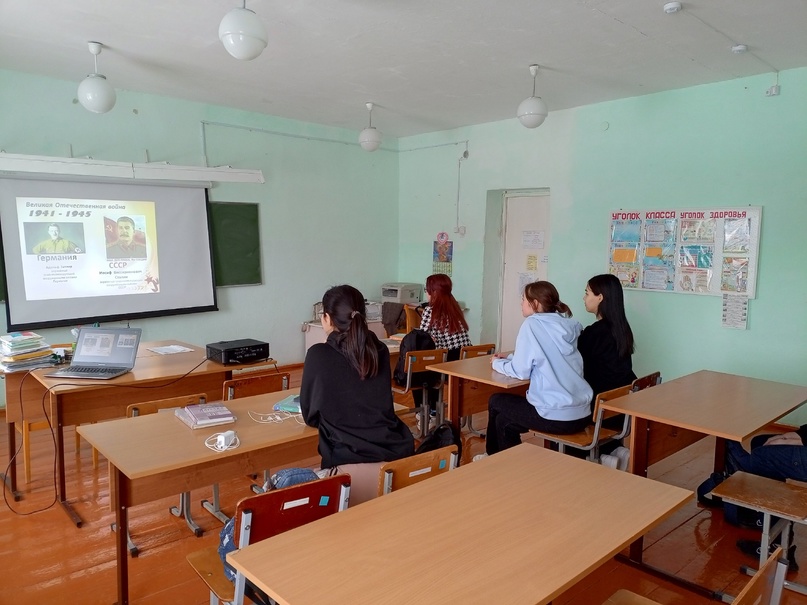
(274, 512)
(151, 407)
(414, 469)
(418, 361)
(255, 384)
(645, 382)
(477, 351)
(608, 396)
(412, 318)
(271, 513)
(765, 586)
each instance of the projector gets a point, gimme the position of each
(245, 350)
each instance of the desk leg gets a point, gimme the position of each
(61, 490)
(639, 462)
(639, 437)
(720, 454)
(10, 480)
(453, 403)
(116, 490)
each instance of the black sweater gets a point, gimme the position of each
(603, 368)
(356, 418)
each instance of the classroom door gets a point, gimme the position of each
(526, 258)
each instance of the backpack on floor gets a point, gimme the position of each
(733, 514)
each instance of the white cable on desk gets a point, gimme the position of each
(212, 443)
(275, 417)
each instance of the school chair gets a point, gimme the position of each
(644, 382)
(265, 515)
(24, 428)
(152, 407)
(412, 318)
(414, 469)
(593, 436)
(620, 457)
(417, 376)
(256, 383)
(465, 353)
(765, 588)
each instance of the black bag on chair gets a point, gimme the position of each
(416, 340)
(443, 435)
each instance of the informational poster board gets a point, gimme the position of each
(707, 251)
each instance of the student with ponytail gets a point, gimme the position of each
(346, 395)
(546, 352)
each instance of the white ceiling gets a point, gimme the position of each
(428, 65)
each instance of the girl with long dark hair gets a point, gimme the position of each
(346, 395)
(607, 344)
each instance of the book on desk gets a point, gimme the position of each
(203, 415)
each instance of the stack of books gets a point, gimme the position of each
(203, 415)
(22, 351)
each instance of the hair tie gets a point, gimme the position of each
(353, 314)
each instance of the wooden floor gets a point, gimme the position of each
(45, 559)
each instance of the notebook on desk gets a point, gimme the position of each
(102, 353)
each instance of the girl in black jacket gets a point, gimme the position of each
(346, 394)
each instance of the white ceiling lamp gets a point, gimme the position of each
(672, 7)
(95, 93)
(532, 111)
(370, 137)
(739, 49)
(242, 33)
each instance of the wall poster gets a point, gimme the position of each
(711, 251)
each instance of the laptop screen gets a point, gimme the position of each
(107, 347)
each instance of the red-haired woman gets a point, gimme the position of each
(445, 323)
(443, 318)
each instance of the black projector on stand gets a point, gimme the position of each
(245, 350)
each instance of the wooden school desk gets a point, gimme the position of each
(471, 382)
(675, 414)
(72, 402)
(541, 521)
(155, 456)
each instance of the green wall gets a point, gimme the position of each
(328, 209)
(331, 213)
(725, 144)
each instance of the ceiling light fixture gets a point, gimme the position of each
(739, 49)
(532, 111)
(242, 33)
(94, 93)
(370, 137)
(672, 7)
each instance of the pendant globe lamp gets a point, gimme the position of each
(242, 33)
(94, 93)
(532, 111)
(370, 137)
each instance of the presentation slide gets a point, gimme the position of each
(79, 252)
(75, 248)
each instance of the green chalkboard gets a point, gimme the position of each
(236, 241)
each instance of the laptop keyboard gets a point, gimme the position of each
(98, 371)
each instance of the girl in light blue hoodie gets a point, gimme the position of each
(558, 398)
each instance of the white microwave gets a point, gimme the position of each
(401, 293)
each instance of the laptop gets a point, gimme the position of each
(102, 353)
